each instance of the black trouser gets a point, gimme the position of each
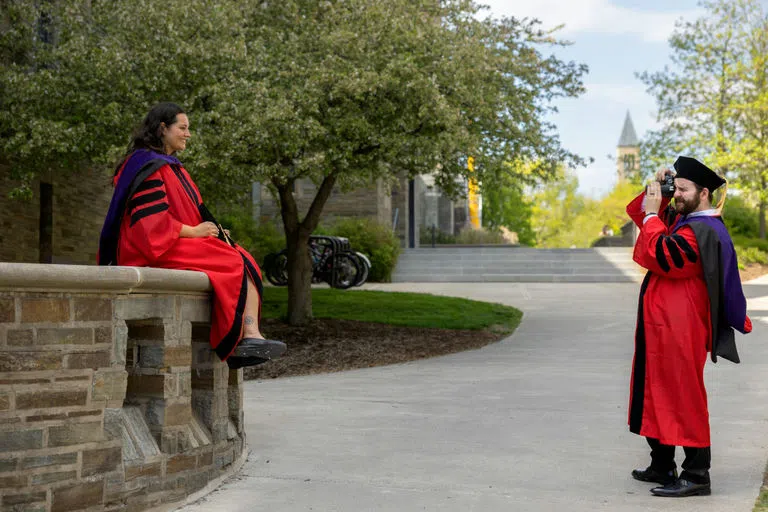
(695, 465)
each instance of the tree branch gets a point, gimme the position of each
(312, 219)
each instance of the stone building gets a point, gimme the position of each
(60, 223)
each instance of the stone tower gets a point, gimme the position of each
(628, 151)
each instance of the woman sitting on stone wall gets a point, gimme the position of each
(157, 219)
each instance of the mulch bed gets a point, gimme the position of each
(334, 345)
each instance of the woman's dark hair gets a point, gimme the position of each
(147, 134)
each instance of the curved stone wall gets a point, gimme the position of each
(110, 397)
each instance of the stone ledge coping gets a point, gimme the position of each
(93, 278)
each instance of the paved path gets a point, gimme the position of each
(534, 423)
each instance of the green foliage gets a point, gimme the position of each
(505, 204)
(373, 239)
(470, 236)
(748, 255)
(740, 217)
(395, 308)
(712, 102)
(758, 243)
(563, 218)
(257, 238)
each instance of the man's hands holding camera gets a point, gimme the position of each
(653, 195)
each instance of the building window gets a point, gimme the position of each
(629, 163)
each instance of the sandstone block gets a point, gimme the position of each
(101, 461)
(44, 310)
(109, 385)
(147, 384)
(180, 355)
(133, 471)
(205, 459)
(5, 401)
(23, 499)
(49, 460)
(92, 309)
(20, 440)
(88, 360)
(45, 399)
(20, 337)
(180, 463)
(65, 336)
(47, 478)
(78, 497)
(75, 433)
(102, 335)
(13, 481)
(29, 361)
(7, 310)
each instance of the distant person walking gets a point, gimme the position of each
(157, 219)
(690, 302)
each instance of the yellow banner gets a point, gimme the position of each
(473, 196)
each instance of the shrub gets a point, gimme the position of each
(425, 237)
(748, 255)
(470, 236)
(259, 239)
(371, 238)
(743, 241)
(741, 218)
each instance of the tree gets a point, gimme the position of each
(714, 104)
(339, 92)
(76, 77)
(349, 92)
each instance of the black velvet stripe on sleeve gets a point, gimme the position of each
(686, 247)
(148, 185)
(660, 257)
(674, 251)
(146, 212)
(145, 199)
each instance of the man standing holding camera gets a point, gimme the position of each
(690, 302)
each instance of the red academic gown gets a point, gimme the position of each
(672, 337)
(149, 236)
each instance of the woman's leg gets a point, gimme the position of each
(251, 313)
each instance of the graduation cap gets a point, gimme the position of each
(691, 169)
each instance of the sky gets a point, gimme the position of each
(616, 39)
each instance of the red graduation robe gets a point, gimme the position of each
(149, 236)
(668, 400)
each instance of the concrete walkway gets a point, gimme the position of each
(536, 422)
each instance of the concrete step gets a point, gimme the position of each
(516, 264)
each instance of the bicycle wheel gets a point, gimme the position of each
(365, 267)
(346, 270)
(276, 268)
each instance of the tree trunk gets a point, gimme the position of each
(299, 279)
(297, 240)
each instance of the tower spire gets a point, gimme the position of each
(628, 136)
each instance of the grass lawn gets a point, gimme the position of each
(397, 308)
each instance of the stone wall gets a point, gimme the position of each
(80, 202)
(110, 397)
(373, 202)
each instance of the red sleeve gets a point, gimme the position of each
(151, 228)
(676, 256)
(636, 210)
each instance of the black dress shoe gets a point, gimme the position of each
(681, 488)
(651, 475)
(255, 351)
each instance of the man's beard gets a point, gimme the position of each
(687, 207)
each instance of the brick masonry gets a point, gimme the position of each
(71, 362)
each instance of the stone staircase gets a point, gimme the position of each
(517, 264)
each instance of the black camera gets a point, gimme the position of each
(668, 186)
